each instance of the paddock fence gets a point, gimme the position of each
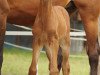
(22, 38)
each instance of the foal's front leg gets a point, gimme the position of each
(36, 51)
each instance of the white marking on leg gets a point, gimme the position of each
(37, 69)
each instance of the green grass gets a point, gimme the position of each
(17, 62)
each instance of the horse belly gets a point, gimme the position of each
(22, 11)
(20, 18)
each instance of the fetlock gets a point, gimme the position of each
(54, 73)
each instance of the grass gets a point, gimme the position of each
(17, 62)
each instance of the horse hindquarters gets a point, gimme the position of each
(4, 10)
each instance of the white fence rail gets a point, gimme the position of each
(29, 33)
(75, 36)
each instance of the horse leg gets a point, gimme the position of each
(4, 10)
(35, 54)
(59, 59)
(89, 17)
(65, 46)
(91, 33)
(52, 51)
(91, 29)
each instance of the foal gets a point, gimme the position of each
(51, 30)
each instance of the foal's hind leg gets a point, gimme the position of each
(65, 45)
(37, 45)
(52, 51)
(4, 10)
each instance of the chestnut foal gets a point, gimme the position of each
(89, 11)
(51, 30)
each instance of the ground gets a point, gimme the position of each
(17, 62)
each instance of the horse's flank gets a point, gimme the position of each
(27, 10)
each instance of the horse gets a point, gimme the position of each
(22, 12)
(89, 11)
(51, 29)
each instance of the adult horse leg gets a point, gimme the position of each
(91, 34)
(91, 29)
(37, 45)
(52, 51)
(89, 14)
(4, 9)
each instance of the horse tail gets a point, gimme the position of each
(99, 30)
(71, 8)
